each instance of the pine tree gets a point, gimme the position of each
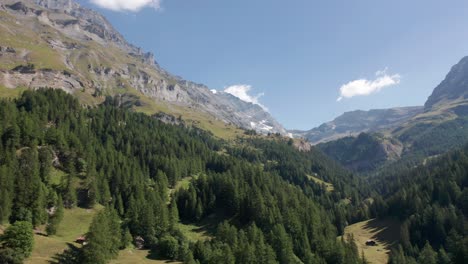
(104, 238)
(19, 238)
(282, 245)
(56, 218)
(69, 190)
(427, 255)
(443, 258)
(174, 216)
(168, 247)
(45, 163)
(6, 193)
(126, 238)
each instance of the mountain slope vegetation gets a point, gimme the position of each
(127, 161)
(431, 202)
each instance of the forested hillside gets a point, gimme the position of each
(56, 155)
(363, 153)
(371, 153)
(431, 200)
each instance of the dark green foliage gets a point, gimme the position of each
(30, 192)
(429, 139)
(6, 192)
(45, 163)
(104, 238)
(17, 242)
(362, 153)
(10, 256)
(295, 227)
(430, 201)
(126, 238)
(280, 158)
(236, 246)
(127, 161)
(373, 154)
(427, 255)
(282, 244)
(55, 218)
(274, 212)
(68, 189)
(168, 247)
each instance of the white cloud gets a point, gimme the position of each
(214, 91)
(127, 5)
(367, 87)
(241, 91)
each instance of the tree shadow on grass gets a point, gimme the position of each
(385, 232)
(71, 255)
(209, 225)
(153, 255)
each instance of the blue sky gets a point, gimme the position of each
(299, 53)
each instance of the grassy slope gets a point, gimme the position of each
(182, 184)
(10, 93)
(190, 116)
(74, 224)
(195, 232)
(39, 53)
(384, 232)
(329, 187)
(130, 256)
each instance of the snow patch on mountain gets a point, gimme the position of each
(262, 126)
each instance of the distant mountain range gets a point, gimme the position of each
(355, 122)
(60, 44)
(411, 132)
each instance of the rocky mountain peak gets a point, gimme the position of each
(453, 87)
(81, 51)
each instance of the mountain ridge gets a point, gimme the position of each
(352, 123)
(430, 131)
(77, 49)
(446, 101)
(453, 87)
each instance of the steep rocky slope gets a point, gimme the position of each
(453, 88)
(60, 44)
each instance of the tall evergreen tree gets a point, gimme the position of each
(17, 241)
(55, 218)
(103, 239)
